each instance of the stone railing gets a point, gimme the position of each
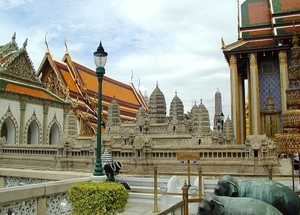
(37, 199)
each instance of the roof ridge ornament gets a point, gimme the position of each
(47, 47)
(139, 84)
(14, 37)
(223, 43)
(67, 50)
(25, 43)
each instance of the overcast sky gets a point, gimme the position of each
(174, 43)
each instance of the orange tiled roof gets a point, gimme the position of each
(67, 77)
(119, 92)
(38, 93)
(111, 87)
(83, 86)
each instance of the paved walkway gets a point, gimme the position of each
(133, 208)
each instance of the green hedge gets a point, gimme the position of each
(98, 198)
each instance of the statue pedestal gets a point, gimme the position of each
(98, 178)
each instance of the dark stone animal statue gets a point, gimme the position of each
(223, 205)
(112, 169)
(269, 191)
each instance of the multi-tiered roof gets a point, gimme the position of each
(79, 84)
(18, 76)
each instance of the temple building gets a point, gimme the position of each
(30, 114)
(59, 115)
(258, 63)
(78, 84)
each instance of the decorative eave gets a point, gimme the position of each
(233, 45)
(244, 46)
(28, 90)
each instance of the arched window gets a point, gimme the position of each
(54, 134)
(33, 133)
(4, 130)
(8, 131)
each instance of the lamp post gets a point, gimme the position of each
(100, 57)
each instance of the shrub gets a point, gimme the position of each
(98, 198)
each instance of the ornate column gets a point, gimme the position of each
(45, 123)
(22, 120)
(242, 111)
(254, 96)
(283, 70)
(235, 96)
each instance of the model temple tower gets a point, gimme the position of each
(157, 106)
(219, 116)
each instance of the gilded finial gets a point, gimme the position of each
(25, 43)
(47, 47)
(223, 43)
(67, 51)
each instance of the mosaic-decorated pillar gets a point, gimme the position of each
(254, 101)
(22, 121)
(45, 123)
(283, 67)
(235, 95)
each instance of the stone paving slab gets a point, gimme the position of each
(133, 208)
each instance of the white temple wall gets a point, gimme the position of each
(14, 107)
(33, 108)
(58, 112)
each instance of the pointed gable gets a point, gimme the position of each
(7, 49)
(18, 66)
(17, 74)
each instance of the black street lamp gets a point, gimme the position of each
(100, 57)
